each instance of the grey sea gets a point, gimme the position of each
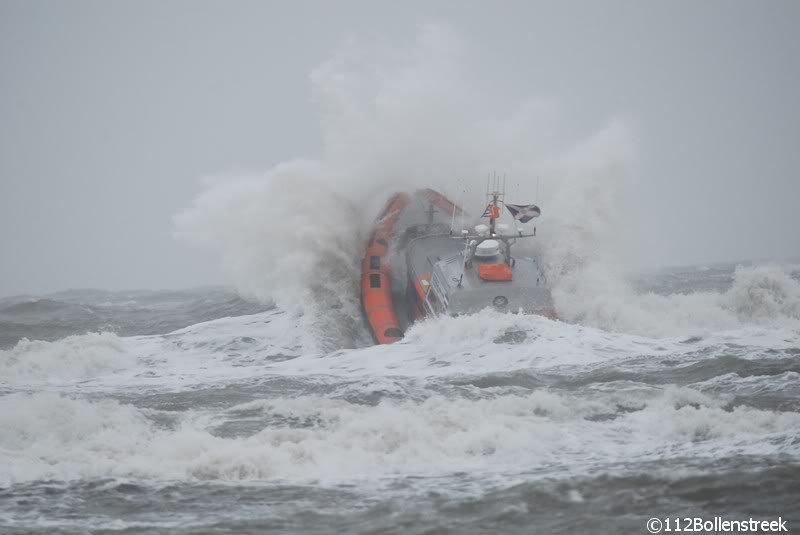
(201, 411)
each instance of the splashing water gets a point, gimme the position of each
(647, 400)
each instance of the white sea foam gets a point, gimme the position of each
(767, 294)
(275, 343)
(294, 234)
(762, 295)
(74, 358)
(47, 436)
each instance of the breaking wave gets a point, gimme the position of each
(761, 295)
(634, 388)
(73, 358)
(49, 436)
(414, 118)
(289, 238)
(394, 120)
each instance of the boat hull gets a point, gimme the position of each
(376, 287)
(413, 256)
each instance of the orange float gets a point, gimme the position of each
(495, 272)
(376, 289)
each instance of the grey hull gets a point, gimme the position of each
(425, 248)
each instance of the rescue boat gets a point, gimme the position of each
(417, 264)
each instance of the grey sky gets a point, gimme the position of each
(112, 112)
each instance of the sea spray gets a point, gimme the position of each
(398, 119)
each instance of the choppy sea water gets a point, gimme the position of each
(202, 412)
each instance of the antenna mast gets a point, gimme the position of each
(494, 197)
(462, 190)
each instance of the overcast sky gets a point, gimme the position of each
(111, 113)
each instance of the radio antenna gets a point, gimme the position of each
(458, 201)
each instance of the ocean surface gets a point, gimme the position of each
(200, 411)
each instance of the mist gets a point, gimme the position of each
(666, 130)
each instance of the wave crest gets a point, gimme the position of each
(78, 357)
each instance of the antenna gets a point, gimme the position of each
(458, 202)
(453, 219)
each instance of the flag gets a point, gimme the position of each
(524, 212)
(491, 211)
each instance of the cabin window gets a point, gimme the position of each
(374, 262)
(393, 332)
(382, 242)
(374, 281)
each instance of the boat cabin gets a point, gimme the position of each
(481, 274)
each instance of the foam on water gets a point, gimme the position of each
(276, 343)
(498, 400)
(629, 381)
(761, 295)
(75, 358)
(48, 436)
